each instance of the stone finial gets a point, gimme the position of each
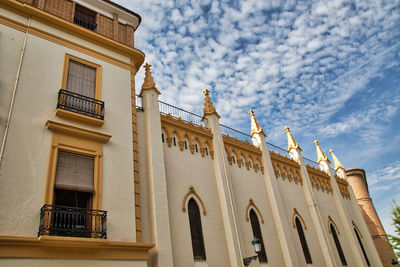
(291, 142)
(255, 126)
(209, 108)
(320, 153)
(337, 163)
(149, 83)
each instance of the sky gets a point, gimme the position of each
(328, 69)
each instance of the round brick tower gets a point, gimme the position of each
(358, 182)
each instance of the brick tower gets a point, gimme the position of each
(358, 182)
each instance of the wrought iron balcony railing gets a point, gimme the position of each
(85, 23)
(80, 104)
(72, 222)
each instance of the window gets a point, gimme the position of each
(174, 141)
(196, 230)
(362, 247)
(80, 91)
(338, 246)
(186, 147)
(85, 17)
(196, 148)
(303, 241)
(233, 158)
(255, 225)
(162, 137)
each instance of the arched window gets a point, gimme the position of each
(362, 247)
(196, 230)
(338, 246)
(303, 241)
(255, 225)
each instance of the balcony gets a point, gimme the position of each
(85, 23)
(79, 107)
(72, 222)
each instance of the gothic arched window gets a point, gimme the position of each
(303, 241)
(255, 225)
(362, 247)
(196, 231)
(338, 246)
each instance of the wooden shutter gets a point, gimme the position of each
(81, 79)
(74, 172)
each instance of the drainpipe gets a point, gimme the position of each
(10, 111)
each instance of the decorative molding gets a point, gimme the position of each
(330, 221)
(66, 129)
(26, 10)
(286, 168)
(78, 117)
(55, 247)
(355, 227)
(296, 213)
(187, 130)
(343, 187)
(193, 192)
(251, 203)
(249, 152)
(319, 179)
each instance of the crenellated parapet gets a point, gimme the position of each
(320, 180)
(286, 168)
(250, 154)
(343, 187)
(187, 131)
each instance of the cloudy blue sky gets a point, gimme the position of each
(328, 69)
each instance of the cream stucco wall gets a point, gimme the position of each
(250, 184)
(184, 169)
(26, 155)
(293, 197)
(327, 208)
(76, 263)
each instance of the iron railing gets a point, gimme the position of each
(311, 163)
(225, 130)
(80, 104)
(72, 222)
(85, 23)
(181, 113)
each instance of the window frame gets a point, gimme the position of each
(78, 141)
(67, 58)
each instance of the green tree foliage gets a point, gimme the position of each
(395, 240)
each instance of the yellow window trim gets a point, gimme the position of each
(251, 203)
(54, 247)
(80, 141)
(78, 117)
(67, 58)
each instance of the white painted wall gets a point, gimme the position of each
(67, 263)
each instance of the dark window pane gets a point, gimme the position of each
(196, 230)
(255, 225)
(303, 241)
(338, 246)
(362, 247)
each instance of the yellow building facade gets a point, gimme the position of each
(93, 175)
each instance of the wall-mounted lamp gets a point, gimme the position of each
(257, 247)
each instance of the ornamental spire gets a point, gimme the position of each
(337, 163)
(291, 142)
(320, 153)
(255, 126)
(148, 80)
(209, 108)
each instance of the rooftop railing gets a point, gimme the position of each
(176, 112)
(225, 130)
